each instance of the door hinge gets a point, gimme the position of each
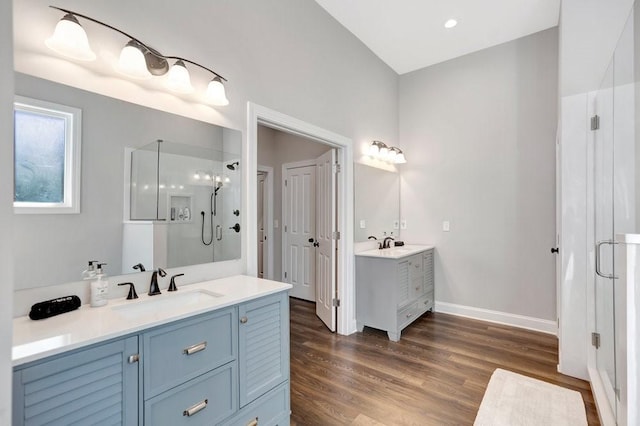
(285, 275)
(595, 340)
(336, 303)
(595, 122)
(336, 235)
(285, 182)
(336, 168)
(285, 228)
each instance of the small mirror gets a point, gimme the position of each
(377, 202)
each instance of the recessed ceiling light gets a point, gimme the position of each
(450, 23)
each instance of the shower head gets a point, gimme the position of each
(233, 165)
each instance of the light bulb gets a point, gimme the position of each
(215, 92)
(196, 176)
(218, 179)
(132, 63)
(178, 79)
(207, 177)
(70, 40)
(226, 179)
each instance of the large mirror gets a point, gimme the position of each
(377, 202)
(53, 249)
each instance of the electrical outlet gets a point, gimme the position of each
(403, 224)
(363, 224)
(396, 224)
(446, 226)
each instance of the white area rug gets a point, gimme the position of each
(515, 400)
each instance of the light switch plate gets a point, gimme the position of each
(403, 224)
(363, 224)
(396, 224)
(446, 226)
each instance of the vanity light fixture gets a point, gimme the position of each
(389, 154)
(137, 60)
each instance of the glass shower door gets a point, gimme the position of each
(604, 235)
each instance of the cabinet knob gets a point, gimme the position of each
(253, 422)
(133, 358)
(244, 320)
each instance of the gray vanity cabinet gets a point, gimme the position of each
(229, 366)
(392, 293)
(91, 386)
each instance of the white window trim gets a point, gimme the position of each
(73, 138)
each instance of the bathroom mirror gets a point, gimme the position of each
(377, 202)
(54, 249)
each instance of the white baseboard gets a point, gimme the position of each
(605, 413)
(520, 321)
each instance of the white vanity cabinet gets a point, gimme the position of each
(228, 366)
(393, 287)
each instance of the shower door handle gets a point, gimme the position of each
(599, 244)
(218, 232)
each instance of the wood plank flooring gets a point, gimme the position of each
(435, 375)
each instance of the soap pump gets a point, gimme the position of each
(90, 272)
(99, 288)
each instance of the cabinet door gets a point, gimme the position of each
(403, 283)
(263, 345)
(91, 386)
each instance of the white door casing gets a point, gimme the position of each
(261, 223)
(326, 244)
(299, 226)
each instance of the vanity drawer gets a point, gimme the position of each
(417, 287)
(175, 354)
(415, 266)
(268, 410)
(406, 315)
(424, 304)
(205, 400)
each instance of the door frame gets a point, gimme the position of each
(268, 183)
(285, 235)
(257, 114)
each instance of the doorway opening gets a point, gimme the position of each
(330, 250)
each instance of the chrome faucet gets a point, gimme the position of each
(387, 242)
(153, 286)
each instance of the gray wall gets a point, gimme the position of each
(6, 212)
(276, 148)
(479, 135)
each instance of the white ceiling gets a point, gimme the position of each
(410, 34)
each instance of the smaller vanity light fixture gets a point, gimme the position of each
(389, 154)
(137, 60)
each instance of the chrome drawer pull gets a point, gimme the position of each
(253, 422)
(195, 348)
(133, 358)
(244, 320)
(196, 408)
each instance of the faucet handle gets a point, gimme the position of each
(162, 272)
(172, 283)
(132, 291)
(139, 267)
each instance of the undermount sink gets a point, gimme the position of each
(164, 302)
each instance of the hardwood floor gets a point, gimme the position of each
(435, 375)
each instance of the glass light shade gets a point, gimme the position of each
(391, 156)
(384, 152)
(178, 79)
(132, 63)
(374, 150)
(216, 94)
(70, 40)
(400, 158)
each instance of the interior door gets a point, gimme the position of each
(326, 243)
(299, 227)
(261, 223)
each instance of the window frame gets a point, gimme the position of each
(72, 156)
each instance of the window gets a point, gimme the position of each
(46, 157)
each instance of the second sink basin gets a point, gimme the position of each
(165, 302)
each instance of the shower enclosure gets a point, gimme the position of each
(190, 197)
(616, 200)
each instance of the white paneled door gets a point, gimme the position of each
(325, 242)
(299, 217)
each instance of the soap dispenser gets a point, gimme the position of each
(90, 272)
(99, 288)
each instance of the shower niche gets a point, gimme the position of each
(182, 200)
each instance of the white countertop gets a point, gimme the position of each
(34, 340)
(396, 252)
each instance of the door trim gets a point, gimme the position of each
(257, 114)
(268, 268)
